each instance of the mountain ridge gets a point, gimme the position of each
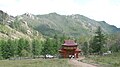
(56, 20)
(50, 24)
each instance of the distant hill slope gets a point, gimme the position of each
(70, 25)
(14, 28)
(53, 23)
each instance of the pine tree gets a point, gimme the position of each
(98, 42)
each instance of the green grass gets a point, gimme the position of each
(4, 29)
(35, 63)
(112, 60)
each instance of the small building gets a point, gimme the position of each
(69, 48)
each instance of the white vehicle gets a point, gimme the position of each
(49, 56)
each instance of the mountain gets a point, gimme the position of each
(14, 28)
(70, 25)
(50, 24)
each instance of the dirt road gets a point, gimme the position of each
(76, 63)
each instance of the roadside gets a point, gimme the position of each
(76, 63)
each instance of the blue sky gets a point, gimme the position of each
(107, 10)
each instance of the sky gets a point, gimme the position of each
(99, 10)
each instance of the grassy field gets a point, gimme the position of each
(35, 63)
(112, 60)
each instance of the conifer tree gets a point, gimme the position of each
(98, 42)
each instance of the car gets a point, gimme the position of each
(49, 56)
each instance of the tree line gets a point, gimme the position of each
(101, 43)
(27, 48)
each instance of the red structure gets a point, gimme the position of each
(69, 48)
